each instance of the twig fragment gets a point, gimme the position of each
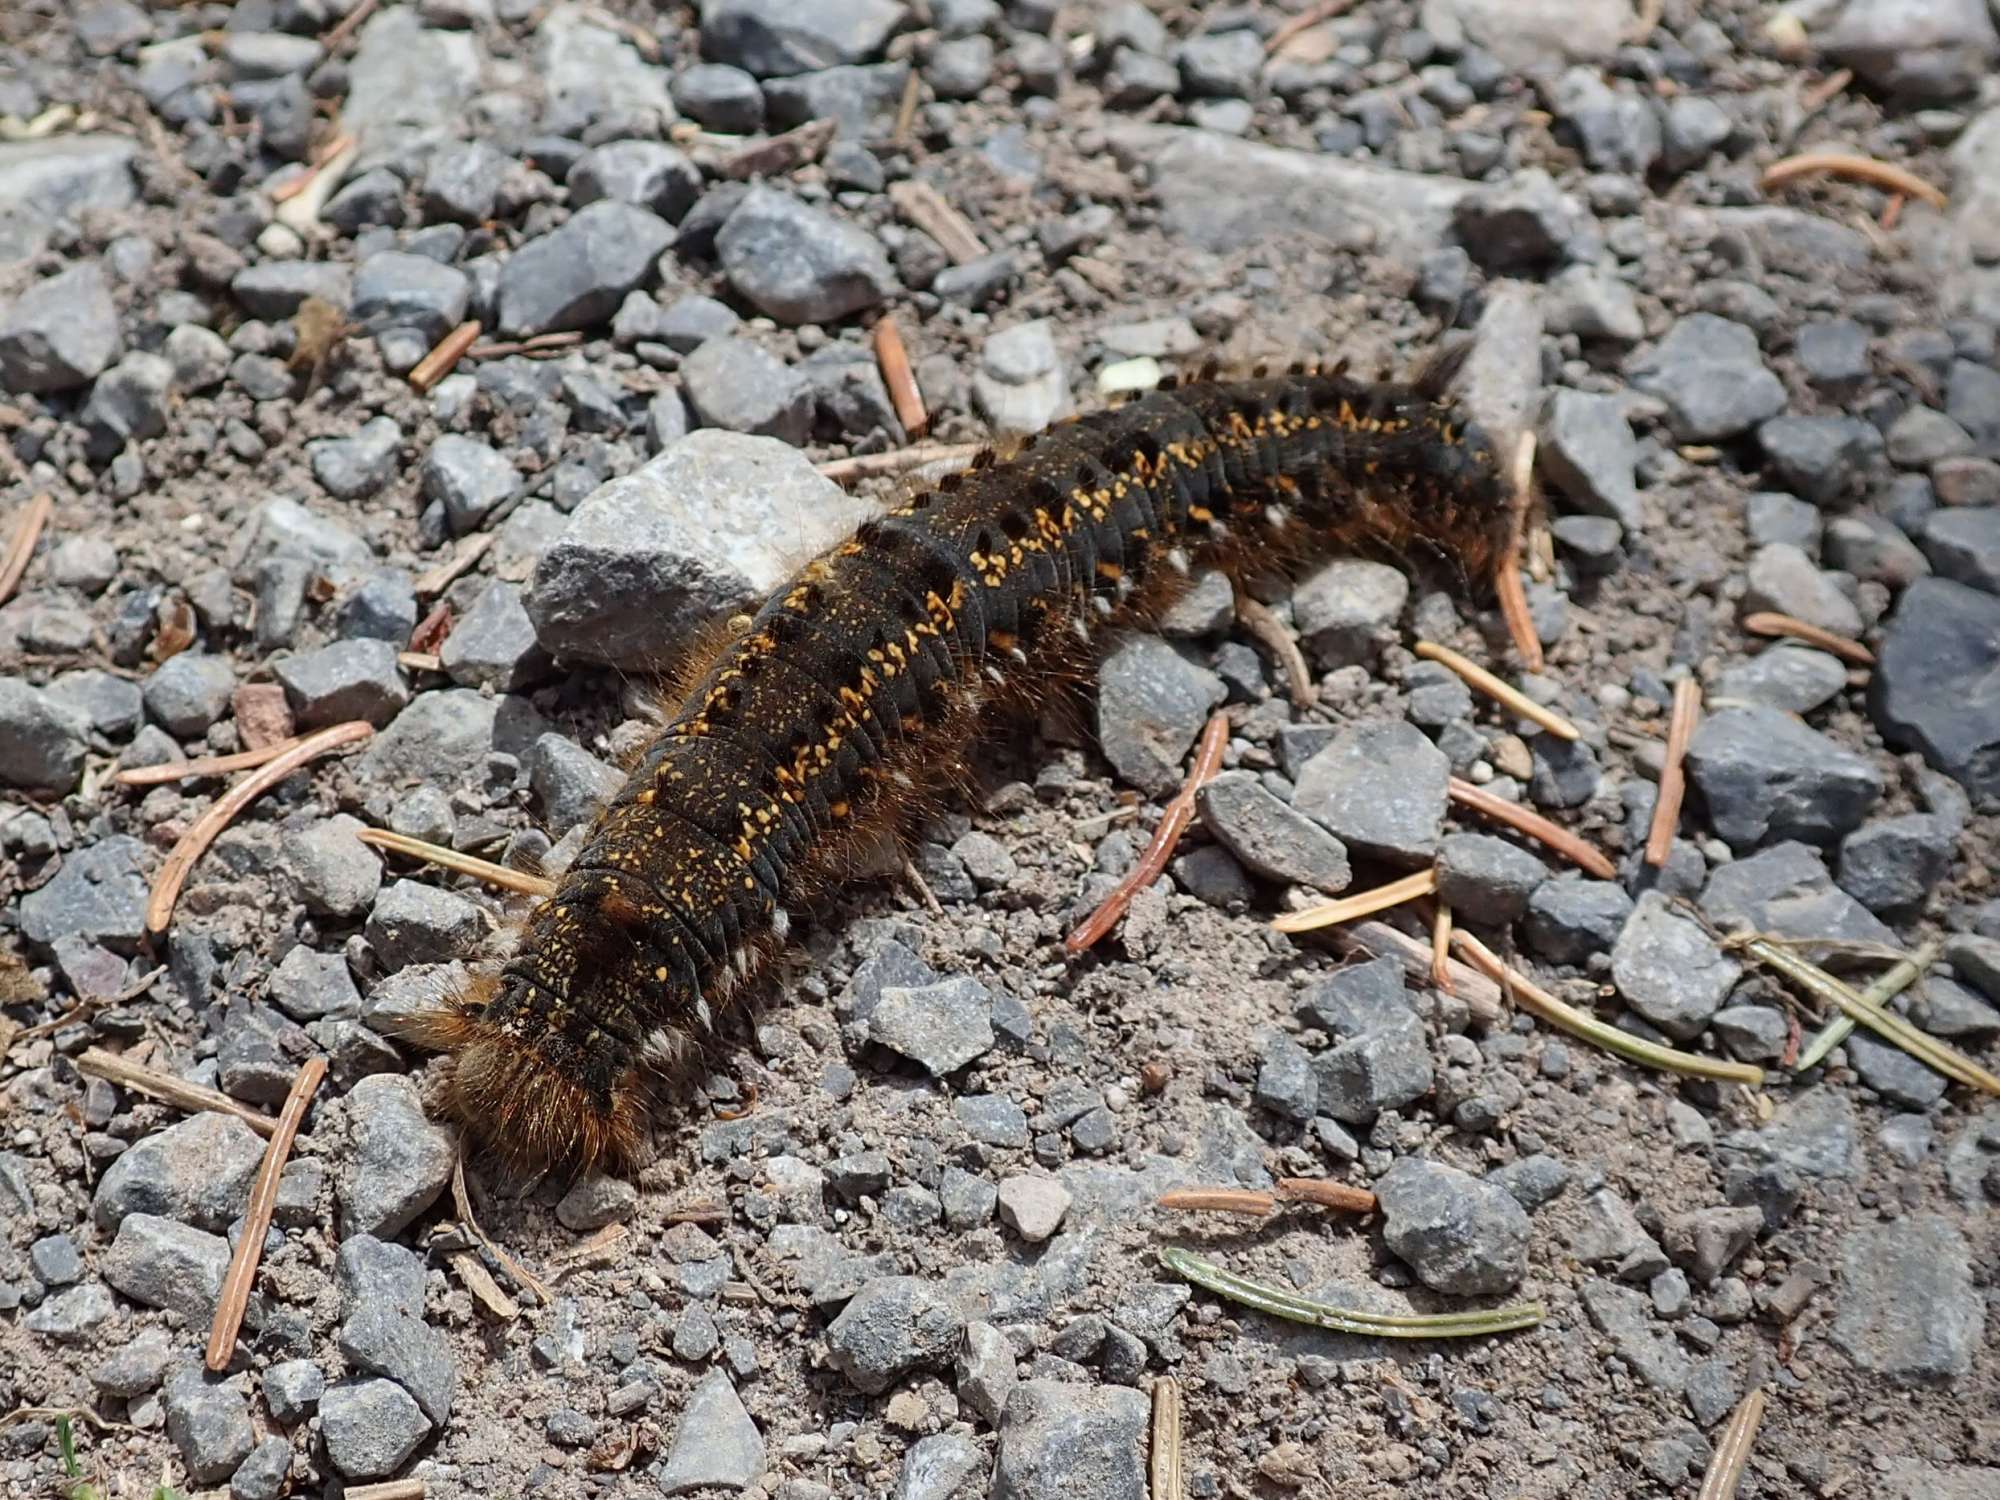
(206, 765)
(894, 360)
(1173, 823)
(1816, 98)
(202, 832)
(1885, 1023)
(21, 545)
(1441, 979)
(1280, 1303)
(1505, 693)
(1337, 1195)
(388, 1489)
(1269, 629)
(441, 576)
(1885, 987)
(1312, 16)
(1769, 622)
(1214, 1200)
(346, 28)
(487, 1292)
(520, 881)
(242, 1273)
(1591, 861)
(322, 159)
(1732, 1453)
(1852, 164)
(1673, 772)
(1507, 582)
(1366, 904)
(925, 207)
(1532, 997)
(193, 1097)
(462, 1202)
(444, 355)
(779, 154)
(1163, 1467)
(901, 461)
(536, 346)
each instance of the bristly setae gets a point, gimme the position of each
(861, 679)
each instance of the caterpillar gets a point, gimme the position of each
(872, 668)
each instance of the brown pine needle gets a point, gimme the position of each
(906, 108)
(1532, 997)
(1508, 586)
(1816, 98)
(1769, 622)
(257, 1219)
(876, 465)
(1506, 694)
(1852, 164)
(781, 153)
(293, 186)
(21, 545)
(925, 207)
(1270, 630)
(1366, 904)
(894, 360)
(1220, 1201)
(1526, 820)
(1166, 838)
(1673, 772)
(537, 346)
(444, 355)
(207, 765)
(1350, 1200)
(485, 1290)
(173, 874)
(389, 1489)
(346, 28)
(1732, 1453)
(539, 886)
(1441, 979)
(193, 1097)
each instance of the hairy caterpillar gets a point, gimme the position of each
(871, 668)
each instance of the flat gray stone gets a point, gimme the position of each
(197, 1170)
(371, 1427)
(1460, 1234)
(1381, 790)
(1908, 1308)
(1152, 699)
(801, 264)
(400, 1163)
(59, 333)
(209, 1421)
(1764, 775)
(1270, 838)
(717, 1446)
(1059, 1441)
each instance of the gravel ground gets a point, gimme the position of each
(902, 1242)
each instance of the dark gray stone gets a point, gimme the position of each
(1619, 131)
(1383, 1068)
(941, 1027)
(161, 1263)
(1820, 458)
(892, 1326)
(647, 174)
(1791, 679)
(401, 1161)
(1784, 579)
(1786, 891)
(99, 895)
(42, 742)
(136, 1366)
(1286, 1082)
(262, 1475)
(276, 289)
(493, 644)
(1670, 971)
(1270, 838)
(382, 1340)
(1589, 451)
(360, 465)
(1893, 1073)
(1891, 865)
(1486, 879)
(774, 39)
(1152, 700)
(577, 275)
(721, 97)
(1459, 1234)
(59, 333)
(1381, 790)
(1936, 686)
(209, 1422)
(371, 1427)
(1522, 225)
(1357, 1000)
(394, 289)
(736, 385)
(570, 783)
(1907, 1307)
(1763, 775)
(1964, 544)
(1625, 1317)
(197, 1170)
(354, 679)
(468, 479)
(292, 1389)
(1347, 610)
(187, 693)
(1715, 383)
(800, 264)
(1060, 1440)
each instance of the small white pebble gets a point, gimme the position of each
(280, 243)
(1141, 374)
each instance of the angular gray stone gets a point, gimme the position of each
(1458, 1233)
(75, 1315)
(162, 1263)
(711, 526)
(1927, 52)
(59, 333)
(1486, 879)
(569, 782)
(45, 183)
(577, 275)
(1792, 679)
(1270, 838)
(99, 895)
(1908, 1308)
(717, 1445)
(1814, 1135)
(891, 1326)
(1346, 611)
(1059, 1441)
(136, 1366)
(1670, 971)
(360, 465)
(1763, 775)
(1892, 864)
(1964, 544)
(738, 386)
(187, 693)
(594, 74)
(354, 679)
(262, 1475)
(42, 740)
(1380, 789)
(941, 1027)
(1589, 451)
(197, 1170)
(1936, 686)
(937, 1467)
(595, 1201)
(468, 478)
(382, 1340)
(1358, 999)
(371, 1427)
(1540, 33)
(648, 174)
(1385, 1067)
(396, 289)
(443, 739)
(415, 923)
(1286, 1082)
(1786, 891)
(277, 289)
(209, 1421)
(292, 1389)
(401, 1161)
(1893, 1073)
(1709, 372)
(773, 39)
(1033, 1207)
(1821, 458)
(1625, 1317)
(1782, 578)
(801, 264)
(1152, 700)
(493, 644)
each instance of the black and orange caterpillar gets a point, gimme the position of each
(869, 671)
